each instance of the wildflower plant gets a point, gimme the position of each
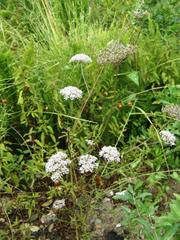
(34, 121)
(82, 59)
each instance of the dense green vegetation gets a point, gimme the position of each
(123, 108)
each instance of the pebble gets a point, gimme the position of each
(48, 218)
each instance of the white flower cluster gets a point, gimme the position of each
(82, 58)
(87, 163)
(58, 204)
(71, 92)
(168, 137)
(110, 154)
(57, 165)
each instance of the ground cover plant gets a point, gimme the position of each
(89, 110)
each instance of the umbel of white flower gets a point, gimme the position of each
(110, 154)
(168, 137)
(115, 53)
(87, 163)
(57, 164)
(71, 93)
(81, 58)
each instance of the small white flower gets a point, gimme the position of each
(58, 204)
(110, 154)
(168, 137)
(57, 165)
(82, 58)
(87, 163)
(71, 92)
(90, 142)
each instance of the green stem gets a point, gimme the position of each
(82, 73)
(127, 120)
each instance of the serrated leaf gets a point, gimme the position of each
(123, 196)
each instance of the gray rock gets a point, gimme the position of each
(105, 218)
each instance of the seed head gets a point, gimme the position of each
(173, 110)
(115, 53)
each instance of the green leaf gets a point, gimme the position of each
(175, 176)
(171, 232)
(20, 98)
(133, 76)
(47, 204)
(34, 228)
(135, 163)
(144, 195)
(123, 196)
(38, 143)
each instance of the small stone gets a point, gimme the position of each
(58, 204)
(48, 218)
